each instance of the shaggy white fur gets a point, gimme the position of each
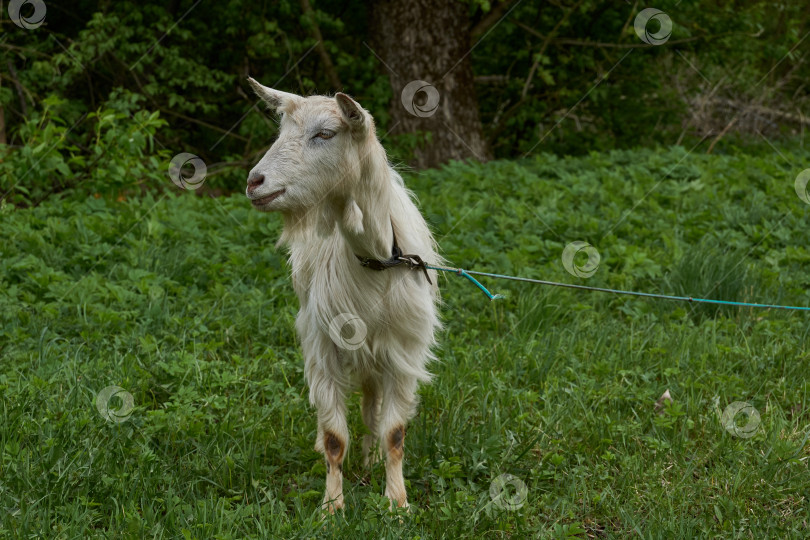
(329, 177)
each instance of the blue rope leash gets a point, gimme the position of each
(467, 274)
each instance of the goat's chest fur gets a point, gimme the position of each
(355, 323)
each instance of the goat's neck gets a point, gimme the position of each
(364, 215)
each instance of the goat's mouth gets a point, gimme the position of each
(267, 199)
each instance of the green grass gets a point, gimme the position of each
(184, 302)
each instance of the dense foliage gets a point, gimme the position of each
(183, 302)
(159, 78)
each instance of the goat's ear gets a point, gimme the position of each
(274, 98)
(351, 111)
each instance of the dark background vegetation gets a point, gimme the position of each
(159, 78)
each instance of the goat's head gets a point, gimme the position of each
(319, 153)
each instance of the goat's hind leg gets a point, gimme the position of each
(372, 400)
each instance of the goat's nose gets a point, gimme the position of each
(255, 181)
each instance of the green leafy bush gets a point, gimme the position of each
(110, 151)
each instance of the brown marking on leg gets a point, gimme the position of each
(333, 446)
(395, 483)
(396, 440)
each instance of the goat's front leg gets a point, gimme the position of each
(398, 406)
(333, 437)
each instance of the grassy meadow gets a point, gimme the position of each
(184, 303)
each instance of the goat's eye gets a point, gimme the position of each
(324, 134)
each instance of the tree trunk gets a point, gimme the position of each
(429, 41)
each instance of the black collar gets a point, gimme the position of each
(397, 258)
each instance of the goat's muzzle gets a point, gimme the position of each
(254, 181)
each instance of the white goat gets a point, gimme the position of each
(341, 202)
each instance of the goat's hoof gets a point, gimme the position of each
(395, 505)
(399, 503)
(329, 507)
